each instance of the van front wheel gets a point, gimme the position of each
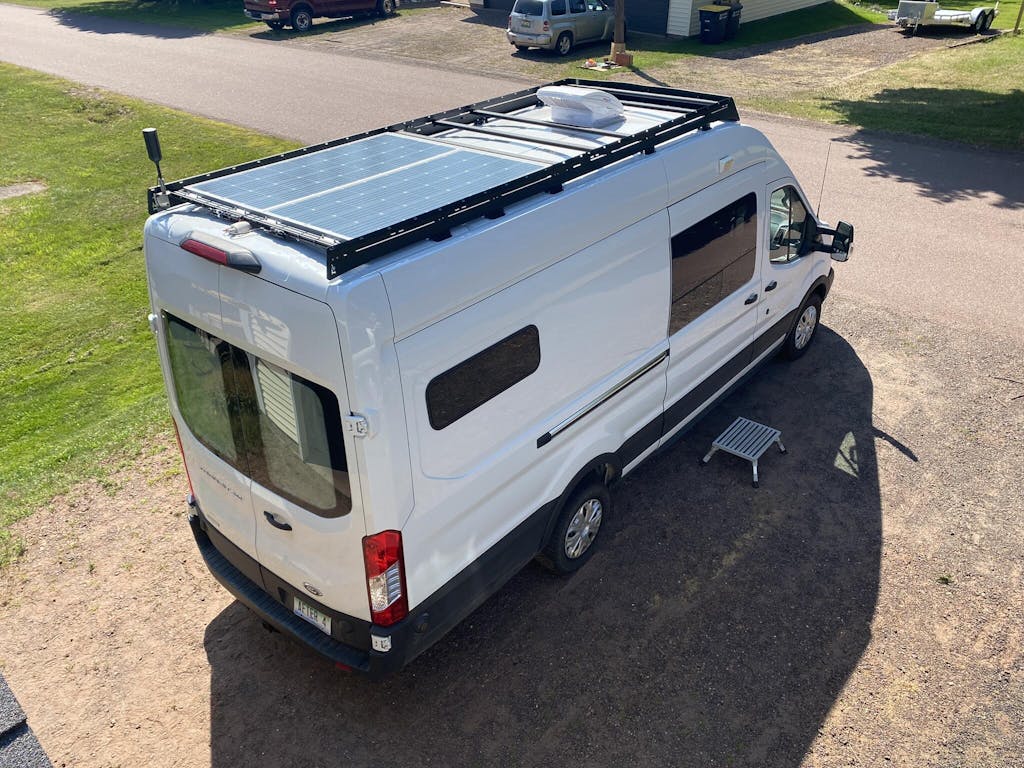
(572, 541)
(805, 328)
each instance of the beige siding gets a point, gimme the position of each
(752, 11)
(680, 16)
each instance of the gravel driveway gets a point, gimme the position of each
(455, 37)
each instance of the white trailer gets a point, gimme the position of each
(912, 14)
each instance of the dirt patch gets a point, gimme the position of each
(864, 607)
(18, 190)
(454, 37)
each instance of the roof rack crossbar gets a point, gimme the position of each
(693, 111)
(545, 123)
(514, 136)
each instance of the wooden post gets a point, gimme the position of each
(1020, 12)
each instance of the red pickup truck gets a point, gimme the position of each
(300, 13)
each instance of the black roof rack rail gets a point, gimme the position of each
(696, 111)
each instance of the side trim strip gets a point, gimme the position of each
(597, 402)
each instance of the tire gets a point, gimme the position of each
(277, 26)
(563, 46)
(574, 537)
(989, 18)
(302, 18)
(522, 48)
(804, 329)
(385, 8)
(982, 23)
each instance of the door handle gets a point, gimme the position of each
(771, 286)
(751, 299)
(275, 522)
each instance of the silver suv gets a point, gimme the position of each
(559, 25)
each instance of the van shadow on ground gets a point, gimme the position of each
(937, 173)
(716, 626)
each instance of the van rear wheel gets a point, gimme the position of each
(575, 534)
(385, 8)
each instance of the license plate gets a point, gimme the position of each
(319, 620)
(526, 23)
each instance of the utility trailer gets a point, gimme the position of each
(912, 14)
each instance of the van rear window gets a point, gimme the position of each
(529, 7)
(278, 428)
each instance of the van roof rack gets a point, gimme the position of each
(364, 196)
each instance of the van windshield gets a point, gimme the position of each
(529, 7)
(278, 428)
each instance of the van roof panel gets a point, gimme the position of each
(365, 196)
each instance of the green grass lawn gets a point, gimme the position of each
(973, 94)
(79, 380)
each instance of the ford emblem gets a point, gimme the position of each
(311, 589)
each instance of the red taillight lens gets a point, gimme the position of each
(183, 462)
(385, 577)
(547, 26)
(206, 251)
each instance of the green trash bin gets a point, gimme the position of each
(732, 28)
(714, 20)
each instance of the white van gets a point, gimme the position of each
(403, 364)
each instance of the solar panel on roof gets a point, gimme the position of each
(289, 180)
(381, 201)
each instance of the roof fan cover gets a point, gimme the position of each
(585, 107)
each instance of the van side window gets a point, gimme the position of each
(788, 216)
(577, 6)
(711, 259)
(558, 7)
(484, 376)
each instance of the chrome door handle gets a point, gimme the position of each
(275, 522)
(771, 286)
(751, 299)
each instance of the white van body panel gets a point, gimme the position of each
(480, 260)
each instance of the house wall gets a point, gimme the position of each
(684, 18)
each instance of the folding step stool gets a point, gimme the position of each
(746, 439)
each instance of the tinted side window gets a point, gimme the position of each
(577, 6)
(485, 375)
(713, 258)
(558, 7)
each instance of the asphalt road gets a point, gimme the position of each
(939, 227)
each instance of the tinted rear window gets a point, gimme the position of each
(529, 7)
(278, 428)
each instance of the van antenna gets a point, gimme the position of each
(153, 150)
(824, 173)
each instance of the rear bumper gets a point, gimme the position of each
(427, 623)
(533, 41)
(250, 594)
(264, 15)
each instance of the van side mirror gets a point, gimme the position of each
(842, 241)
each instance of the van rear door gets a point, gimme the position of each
(309, 524)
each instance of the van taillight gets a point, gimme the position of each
(385, 577)
(184, 463)
(220, 251)
(547, 26)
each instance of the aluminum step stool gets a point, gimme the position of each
(746, 439)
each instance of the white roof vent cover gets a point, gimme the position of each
(585, 107)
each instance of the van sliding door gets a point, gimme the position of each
(715, 286)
